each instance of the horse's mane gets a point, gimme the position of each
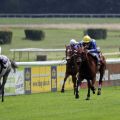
(83, 50)
(88, 61)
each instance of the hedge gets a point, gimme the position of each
(96, 33)
(34, 34)
(5, 37)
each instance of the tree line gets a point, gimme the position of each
(60, 6)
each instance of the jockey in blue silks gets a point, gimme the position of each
(90, 45)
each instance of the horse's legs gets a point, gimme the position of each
(3, 84)
(77, 91)
(74, 82)
(79, 82)
(3, 94)
(89, 86)
(2, 87)
(93, 85)
(102, 71)
(99, 86)
(66, 76)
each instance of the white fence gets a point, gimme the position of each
(59, 62)
(41, 63)
(29, 50)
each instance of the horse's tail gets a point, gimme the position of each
(13, 65)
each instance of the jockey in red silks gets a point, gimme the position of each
(90, 45)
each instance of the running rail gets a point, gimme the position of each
(60, 62)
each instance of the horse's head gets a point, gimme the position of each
(69, 53)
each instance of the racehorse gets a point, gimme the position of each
(4, 72)
(71, 67)
(88, 69)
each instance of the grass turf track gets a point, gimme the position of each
(58, 106)
(53, 20)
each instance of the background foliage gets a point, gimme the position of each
(60, 6)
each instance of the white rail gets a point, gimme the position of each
(28, 50)
(112, 53)
(36, 50)
(50, 50)
(59, 62)
(42, 63)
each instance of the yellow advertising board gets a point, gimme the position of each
(40, 79)
(60, 78)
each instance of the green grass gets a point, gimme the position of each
(57, 20)
(52, 106)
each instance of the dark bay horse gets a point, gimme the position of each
(4, 72)
(71, 67)
(88, 70)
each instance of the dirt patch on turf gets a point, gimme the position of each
(65, 26)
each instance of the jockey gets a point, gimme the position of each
(73, 43)
(70, 48)
(90, 45)
(3, 61)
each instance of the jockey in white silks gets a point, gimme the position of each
(5, 64)
(72, 45)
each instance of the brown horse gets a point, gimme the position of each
(71, 67)
(87, 70)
